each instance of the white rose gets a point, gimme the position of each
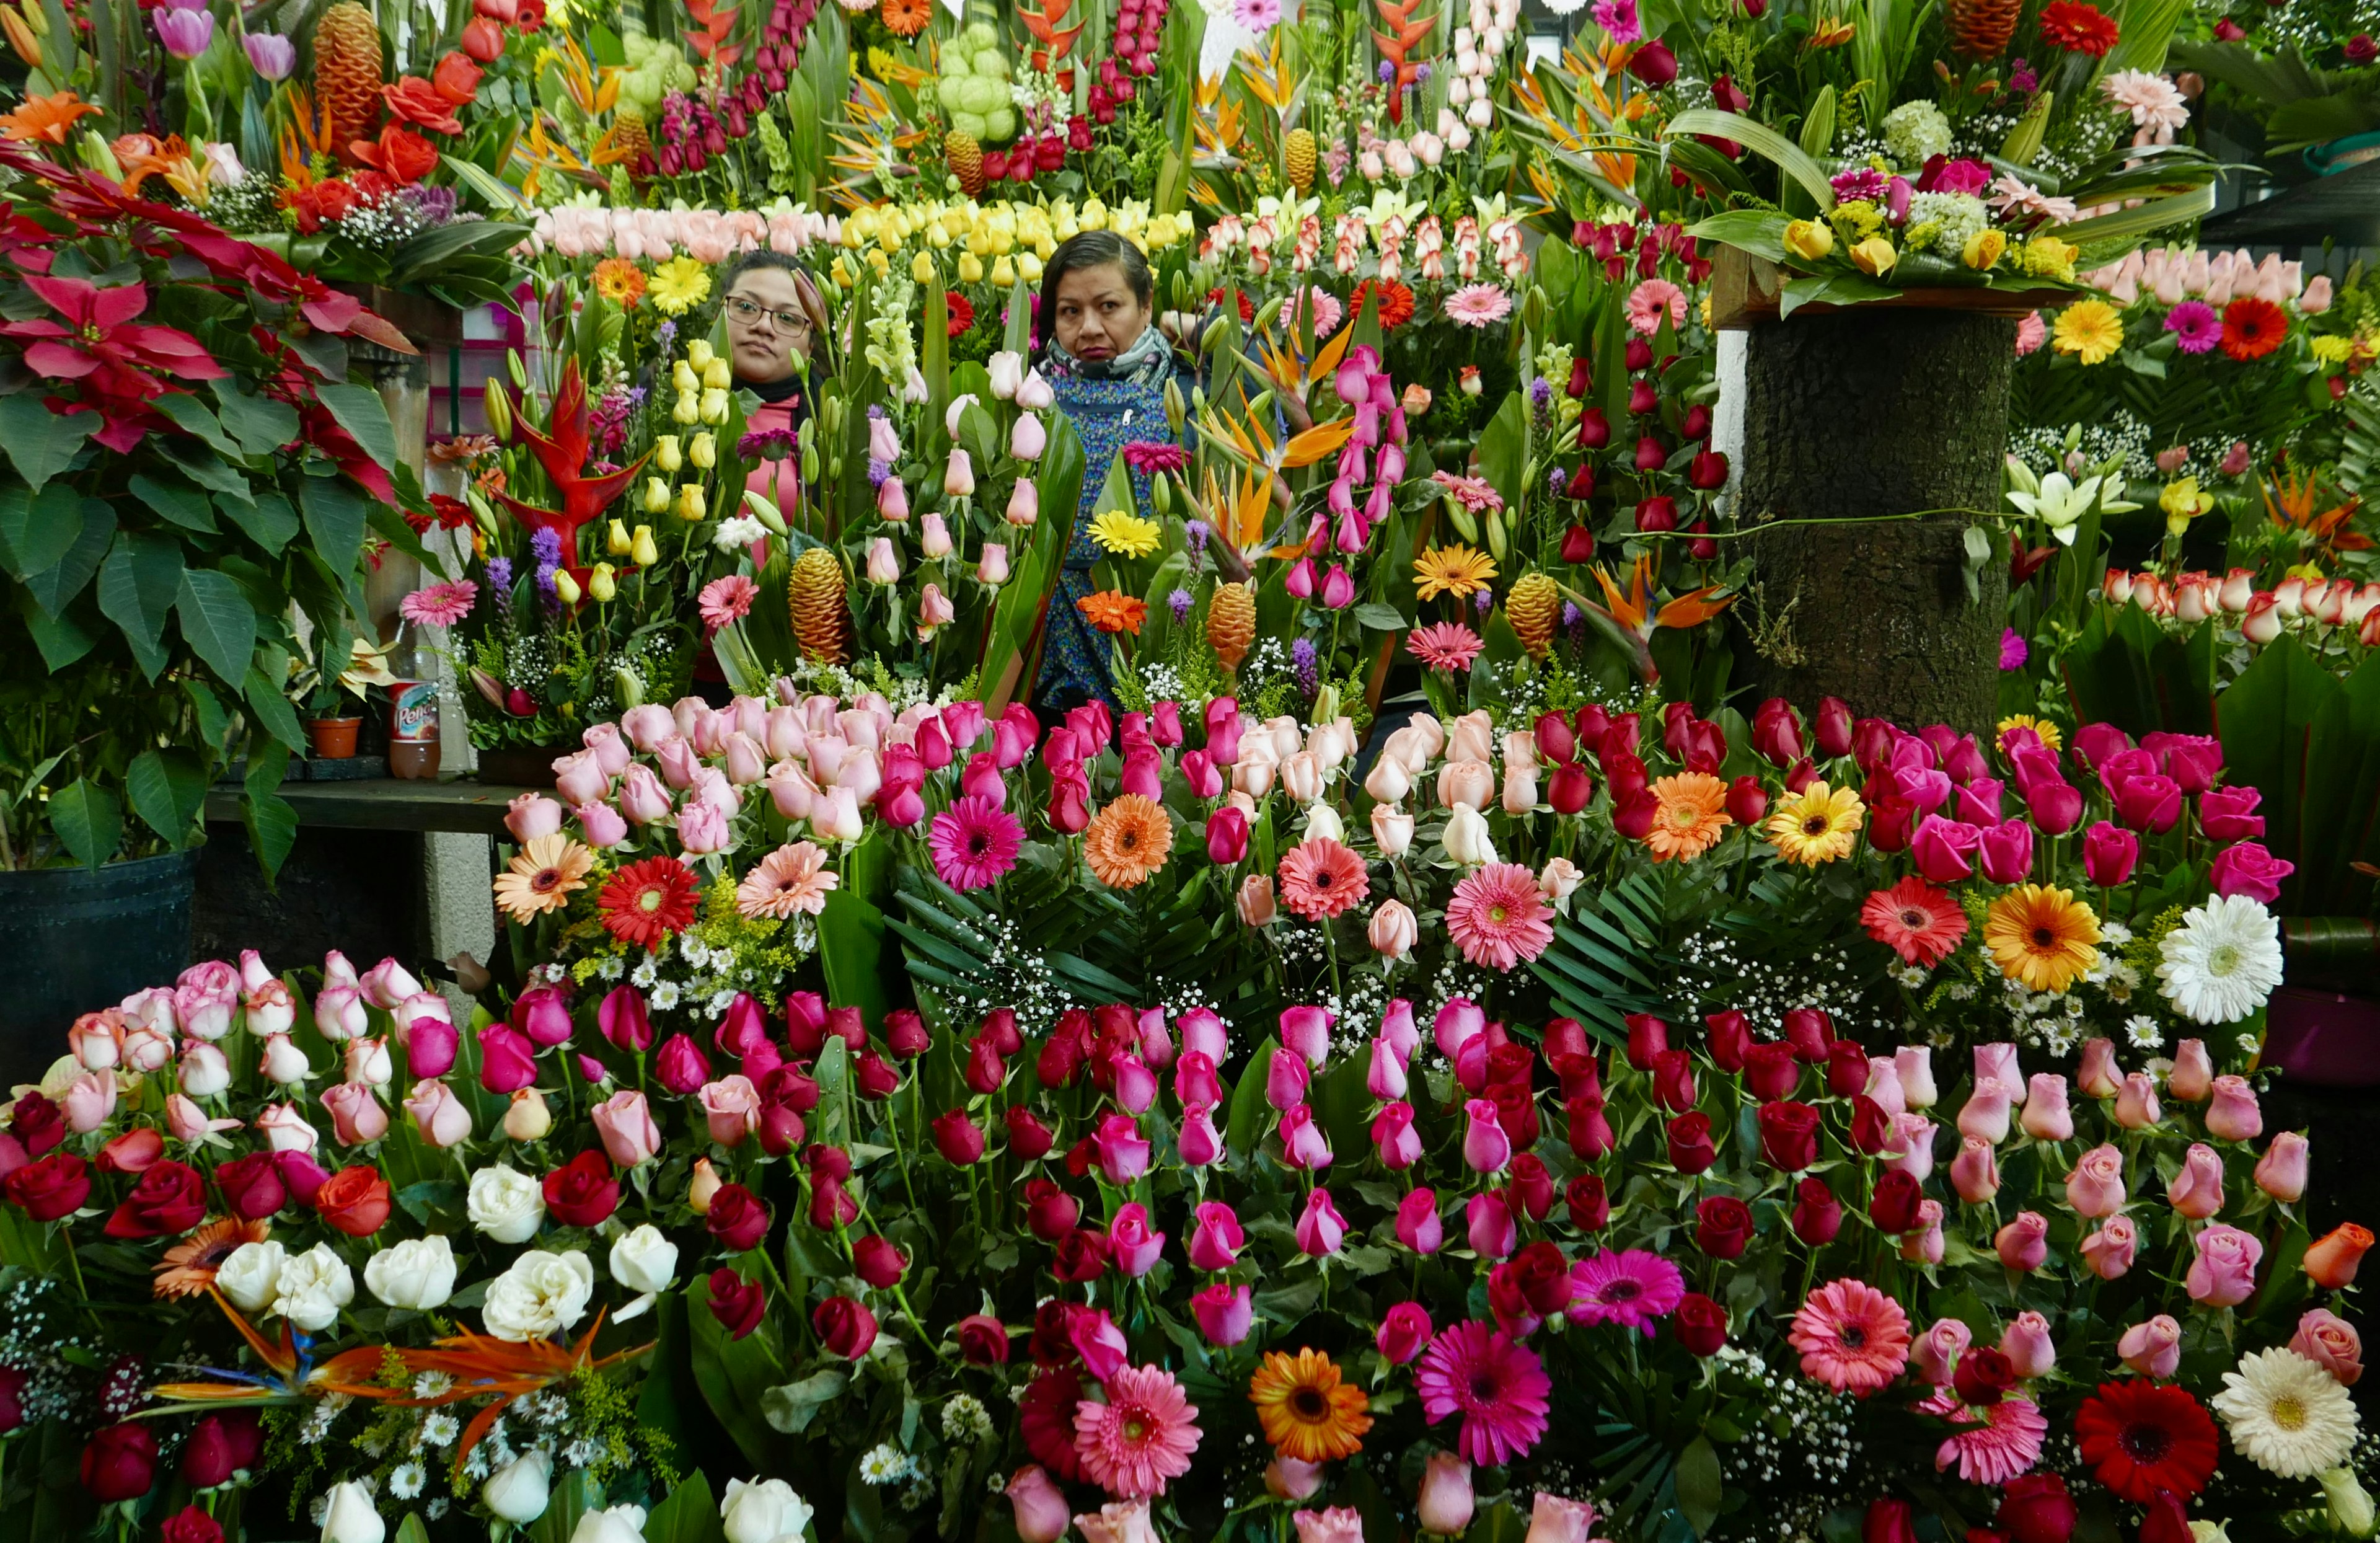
(313, 1286)
(250, 1276)
(1466, 838)
(506, 1206)
(419, 1274)
(644, 1260)
(519, 1491)
(542, 1294)
(767, 1512)
(621, 1524)
(350, 1517)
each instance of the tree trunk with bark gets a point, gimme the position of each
(1863, 414)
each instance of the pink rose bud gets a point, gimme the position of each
(2099, 1076)
(1321, 1228)
(2193, 1077)
(1216, 1237)
(532, 815)
(2197, 1190)
(1986, 1114)
(2136, 1105)
(1386, 1077)
(2332, 1344)
(1937, 1350)
(2047, 1116)
(1042, 1513)
(1405, 1333)
(1200, 1143)
(2281, 1172)
(2095, 1188)
(1976, 1173)
(1916, 1066)
(1488, 1223)
(2027, 1344)
(2024, 1243)
(2223, 1271)
(1418, 1225)
(602, 824)
(1133, 1244)
(1393, 1133)
(1225, 1312)
(1485, 1148)
(2234, 1115)
(2153, 1349)
(2108, 1252)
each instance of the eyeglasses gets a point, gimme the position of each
(749, 312)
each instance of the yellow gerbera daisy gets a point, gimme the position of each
(678, 286)
(1126, 535)
(1452, 570)
(2090, 330)
(2043, 938)
(1817, 824)
(2051, 738)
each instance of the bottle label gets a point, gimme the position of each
(413, 710)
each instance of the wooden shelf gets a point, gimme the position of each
(387, 803)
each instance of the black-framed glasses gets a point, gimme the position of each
(749, 312)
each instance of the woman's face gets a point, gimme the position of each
(1099, 316)
(766, 326)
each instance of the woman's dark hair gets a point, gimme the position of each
(754, 260)
(1090, 248)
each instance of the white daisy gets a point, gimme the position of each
(2287, 1415)
(2224, 959)
(405, 1481)
(884, 1464)
(2143, 1031)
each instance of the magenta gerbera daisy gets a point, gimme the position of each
(1497, 1387)
(1447, 646)
(1631, 1288)
(1498, 916)
(1141, 1439)
(2196, 328)
(1149, 458)
(1853, 1337)
(974, 843)
(1992, 1445)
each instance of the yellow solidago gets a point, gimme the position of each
(2330, 348)
(1126, 535)
(2045, 256)
(1855, 219)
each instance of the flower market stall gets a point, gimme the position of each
(1378, 774)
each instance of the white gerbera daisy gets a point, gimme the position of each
(2287, 1415)
(2224, 959)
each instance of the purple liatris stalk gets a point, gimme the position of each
(545, 545)
(1197, 530)
(500, 575)
(1180, 602)
(1484, 602)
(1308, 664)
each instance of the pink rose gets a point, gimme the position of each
(1321, 1228)
(1133, 1245)
(1937, 1350)
(2197, 1191)
(2249, 870)
(356, 1112)
(2108, 1252)
(440, 1117)
(2027, 1344)
(1976, 1173)
(2136, 1105)
(2095, 1188)
(2099, 1076)
(531, 815)
(2153, 1349)
(2193, 1077)
(2047, 1115)
(2281, 1172)
(626, 1124)
(731, 1108)
(2024, 1243)
(2223, 1274)
(1985, 1115)
(2235, 1114)
(2331, 1342)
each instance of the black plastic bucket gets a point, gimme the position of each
(72, 940)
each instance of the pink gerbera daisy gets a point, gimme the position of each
(439, 604)
(1258, 15)
(1993, 1445)
(1474, 494)
(1498, 916)
(1853, 1337)
(1653, 300)
(1619, 17)
(2195, 327)
(725, 600)
(1497, 1387)
(1447, 646)
(1478, 304)
(1328, 312)
(1141, 1437)
(974, 843)
(791, 880)
(1629, 1288)
(1863, 183)
(1321, 878)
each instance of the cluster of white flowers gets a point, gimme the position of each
(1914, 133)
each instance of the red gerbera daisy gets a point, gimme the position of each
(959, 313)
(1247, 307)
(2252, 328)
(1396, 301)
(2140, 1437)
(2078, 27)
(645, 902)
(1046, 1417)
(1915, 921)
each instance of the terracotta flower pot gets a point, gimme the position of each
(333, 738)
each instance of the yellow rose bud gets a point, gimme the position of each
(1028, 266)
(527, 1119)
(699, 354)
(1874, 257)
(703, 450)
(598, 582)
(717, 375)
(687, 409)
(879, 263)
(714, 408)
(1004, 273)
(565, 586)
(690, 503)
(641, 550)
(1808, 241)
(666, 454)
(616, 539)
(1984, 250)
(657, 496)
(970, 268)
(921, 268)
(682, 376)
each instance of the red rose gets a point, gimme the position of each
(1673, 1080)
(1809, 1031)
(831, 1204)
(1769, 1072)
(1049, 1210)
(399, 153)
(2035, 1508)
(2167, 1520)
(878, 1262)
(1700, 1324)
(874, 1075)
(220, 1445)
(119, 1462)
(169, 1199)
(1870, 1126)
(355, 1201)
(739, 1221)
(1530, 1189)
(55, 1186)
(737, 1302)
(301, 1174)
(1722, 1226)
(1029, 1139)
(37, 1124)
(1082, 1256)
(906, 1035)
(1887, 1522)
(845, 1327)
(1817, 1215)
(457, 79)
(1516, 1110)
(12, 1398)
(416, 100)
(191, 1524)
(251, 1186)
(1647, 1038)
(1689, 1142)
(1731, 1039)
(1590, 1133)
(583, 1192)
(1540, 1273)
(1846, 1068)
(1982, 1376)
(1788, 1136)
(958, 1137)
(1590, 1205)
(1893, 1207)
(983, 1341)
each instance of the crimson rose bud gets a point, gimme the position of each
(1722, 1226)
(998, 1027)
(1810, 1032)
(209, 1457)
(1846, 1068)
(119, 1462)
(1570, 788)
(1049, 1213)
(12, 1397)
(737, 1304)
(1893, 1207)
(301, 1174)
(805, 1023)
(1082, 1256)
(1642, 398)
(1578, 541)
(1653, 63)
(1590, 1206)
(985, 1070)
(1817, 1215)
(2035, 1508)
(1529, 1188)
(1227, 835)
(1707, 470)
(1887, 1522)
(1647, 1037)
(878, 1262)
(1564, 1037)
(1594, 430)
(1029, 1139)
(1590, 1133)
(1771, 1070)
(1788, 1136)
(1870, 1126)
(1557, 741)
(844, 1326)
(1798, 778)
(1696, 424)
(679, 1065)
(1747, 801)
(874, 1075)
(828, 1162)
(1634, 813)
(1404, 1332)
(846, 1023)
(831, 1205)
(191, 1524)
(1982, 1376)
(2109, 854)
(1833, 729)
(1638, 355)
(1657, 514)
(1580, 486)
(1689, 1142)
(983, 1341)
(1059, 1062)
(582, 1192)
(1700, 1324)
(906, 1034)
(1581, 379)
(739, 1221)
(1731, 1039)
(958, 1139)
(2166, 1521)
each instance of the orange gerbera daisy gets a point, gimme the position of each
(906, 18)
(1128, 841)
(1308, 1412)
(620, 282)
(1112, 611)
(189, 1268)
(544, 878)
(45, 117)
(1691, 813)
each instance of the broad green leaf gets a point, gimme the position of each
(1758, 231)
(270, 521)
(2153, 214)
(1840, 289)
(734, 1374)
(167, 789)
(41, 443)
(2341, 814)
(272, 823)
(790, 1409)
(218, 622)
(213, 721)
(335, 518)
(37, 531)
(364, 416)
(271, 710)
(194, 417)
(1701, 1487)
(689, 1516)
(1504, 448)
(1761, 139)
(174, 500)
(2265, 720)
(213, 472)
(139, 582)
(851, 932)
(261, 424)
(61, 640)
(88, 821)
(411, 1530)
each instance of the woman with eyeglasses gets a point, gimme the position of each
(770, 330)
